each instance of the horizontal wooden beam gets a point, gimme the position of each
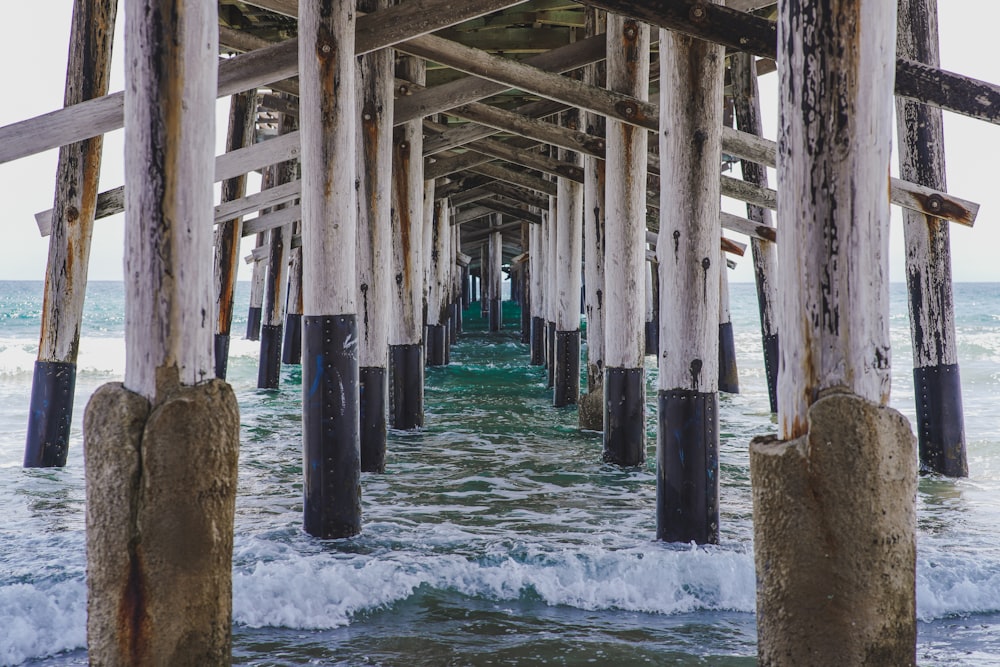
(249, 70)
(228, 165)
(759, 36)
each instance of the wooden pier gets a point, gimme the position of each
(414, 153)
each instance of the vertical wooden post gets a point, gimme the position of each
(229, 233)
(524, 286)
(50, 413)
(276, 282)
(495, 274)
(436, 333)
(625, 267)
(687, 478)
(484, 282)
(257, 279)
(834, 515)
(536, 275)
(291, 345)
(729, 377)
(426, 246)
(161, 449)
(746, 103)
(454, 280)
(653, 308)
(551, 286)
(569, 276)
(375, 86)
(330, 403)
(406, 349)
(591, 408)
(938, 390)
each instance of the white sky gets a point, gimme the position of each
(33, 47)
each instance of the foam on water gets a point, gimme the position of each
(41, 620)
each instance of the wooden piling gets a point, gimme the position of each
(691, 79)
(591, 407)
(569, 276)
(50, 413)
(746, 104)
(291, 343)
(406, 349)
(551, 286)
(536, 275)
(834, 499)
(374, 164)
(276, 280)
(936, 381)
(625, 267)
(229, 233)
(495, 275)
(330, 406)
(436, 332)
(729, 377)
(256, 306)
(162, 448)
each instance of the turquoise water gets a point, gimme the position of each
(496, 536)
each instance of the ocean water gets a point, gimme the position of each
(496, 536)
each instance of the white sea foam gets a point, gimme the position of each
(40, 620)
(322, 591)
(950, 585)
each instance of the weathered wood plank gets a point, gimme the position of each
(168, 236)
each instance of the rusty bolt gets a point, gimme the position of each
(367, 116)
(628, 109)
(934, 203)
(697, 13)
(325, 48)
(630, 31)
(403, 145)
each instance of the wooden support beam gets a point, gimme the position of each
(938, 390)
(470, 89)
(276, 280)
(517, 178)
(376, 76)
(229, 233)
(406, 360)
(250, 70)
(742, 32)
(691, 104)
(77, 172)
(330, 408)
(624, 263)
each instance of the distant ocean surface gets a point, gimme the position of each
(497, 536)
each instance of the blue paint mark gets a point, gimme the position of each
(319, 375)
